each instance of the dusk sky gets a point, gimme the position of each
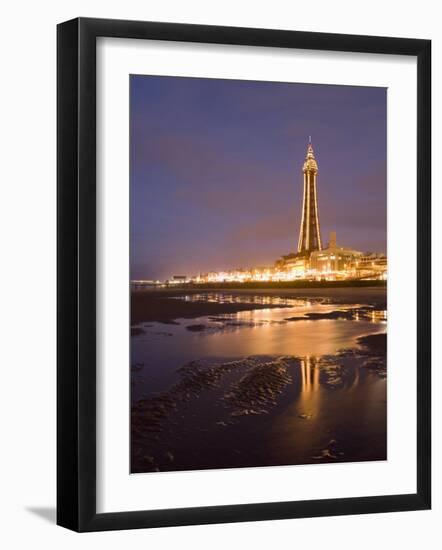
(216, 170)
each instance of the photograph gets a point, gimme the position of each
(222, 221)
(258, 273)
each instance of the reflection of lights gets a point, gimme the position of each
(309, 399)
(309, 375)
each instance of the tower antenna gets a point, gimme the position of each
(310, 139)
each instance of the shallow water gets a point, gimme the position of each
(163, 347)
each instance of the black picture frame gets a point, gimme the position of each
(76, 272)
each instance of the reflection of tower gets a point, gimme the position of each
(310, 396)
(309, 377)
(309, 234)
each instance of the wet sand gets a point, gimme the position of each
(159, 305)
(262, 410)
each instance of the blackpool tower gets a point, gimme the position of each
(309, 234)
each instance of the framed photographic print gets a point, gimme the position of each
(243, 274)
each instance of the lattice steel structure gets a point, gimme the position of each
(310, 233)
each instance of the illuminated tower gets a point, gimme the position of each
(309, 234)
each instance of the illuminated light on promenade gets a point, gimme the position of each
(331, 268)
(311, 262)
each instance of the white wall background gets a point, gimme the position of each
(27, 287)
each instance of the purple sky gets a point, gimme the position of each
(216, 170)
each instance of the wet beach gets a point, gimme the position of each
(253, 377)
